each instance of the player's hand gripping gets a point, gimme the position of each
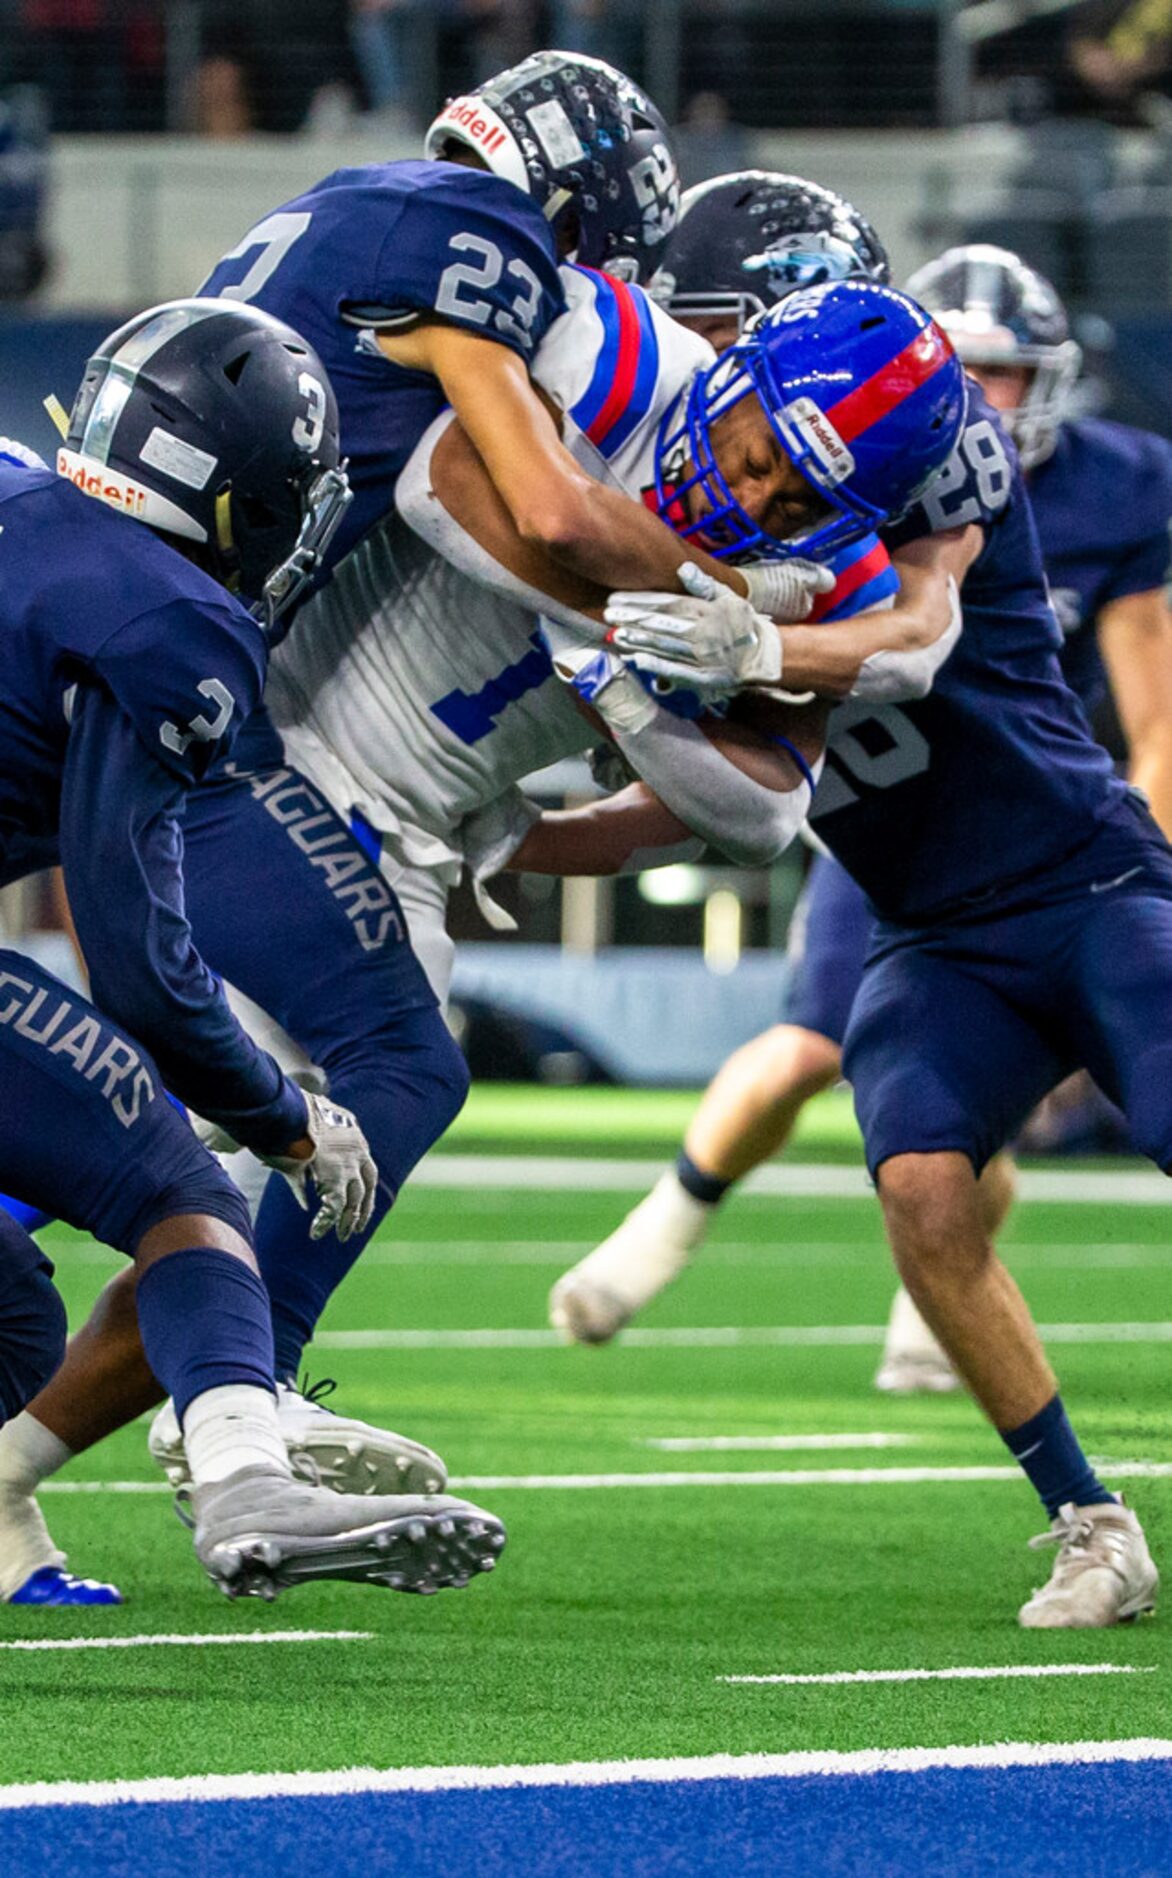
(334, 1153)
(710, 637)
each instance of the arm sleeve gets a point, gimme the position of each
(122, 853)
(748, 822)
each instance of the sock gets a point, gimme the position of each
(29, 1453)
(1047, 1448)
(232, 1427)
(204, 1318)
(709, 1189)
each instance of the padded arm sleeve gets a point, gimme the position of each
(749, 823)
(898, 677)
(122, 853)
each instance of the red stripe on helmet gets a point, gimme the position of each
(626, 364)
(920, 360)
(856, 576)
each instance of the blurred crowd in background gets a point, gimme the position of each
(225, 68)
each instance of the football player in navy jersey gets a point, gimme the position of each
(128, 668)
(1024, 928)
(1101, 494)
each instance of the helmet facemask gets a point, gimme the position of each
(688, 467)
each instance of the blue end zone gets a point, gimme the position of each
(1033, 1822)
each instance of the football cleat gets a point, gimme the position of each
(330, 1450)
(603, 1291)
(257, 1533)
(1103, 1574)
(51, 1585)
(913, 1362)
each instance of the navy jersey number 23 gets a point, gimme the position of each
(373, 250)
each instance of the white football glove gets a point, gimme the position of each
(708, 637)
(342, 1168)
(786, 590)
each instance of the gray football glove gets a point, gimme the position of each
(341, 1167)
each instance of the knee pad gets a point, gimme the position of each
(32, 1338)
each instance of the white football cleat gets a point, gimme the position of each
(913, 1362)
(331, 1450)
(257, 1532)
(1103, 1574)
(603, 1291)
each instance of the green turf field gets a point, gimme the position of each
(618, 1609)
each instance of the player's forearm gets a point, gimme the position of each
(750, 820)
(586, 531)
(622, 834)
(599, 535)
(888, 655)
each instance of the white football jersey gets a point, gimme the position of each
(413, 692)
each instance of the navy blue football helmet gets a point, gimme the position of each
(211, 420)
(998, 311)
(586, 143)
(861, 389)
(745, 241)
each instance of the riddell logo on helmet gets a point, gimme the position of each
(123, 495)
(469, 116)
(821, 439)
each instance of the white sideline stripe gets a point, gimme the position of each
(178, 1639)
(956, 1675)
(789, 1181)
(792, 1766)
(762, 1444)
(746, 1477)
(705, 1337)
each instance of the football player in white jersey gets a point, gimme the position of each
(426, 688)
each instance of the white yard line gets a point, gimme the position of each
(178, 1640)
(792, 1477)
(704, 1337)
(745, 1477)
(105, 1486)
(771, 1444)
(795, 1765)
(790, 1180)
(955, 1675)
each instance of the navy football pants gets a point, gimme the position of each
(958, 1030)
(828, 950)
(85, 1131)
(285, 905)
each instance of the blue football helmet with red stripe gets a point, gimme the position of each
(862, 391)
